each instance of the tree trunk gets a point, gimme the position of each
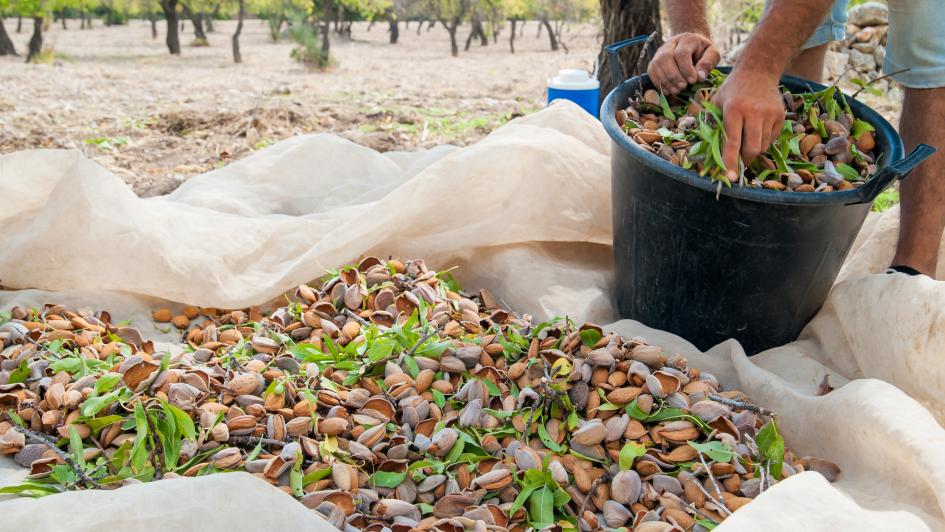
(551, 32)
(170, 13)
(495, 32)
(512, 36)
(419, 27)
(394, 29)
(624, 19)
(406, 24)
(88, 21)
(196, 19)
(371, 25)
(483, 40)
(540, 26)
(521, 32)
(62, 18)
(213, 16)
(19, 23)
(431, 25)
(472, 33)
(36, 41)
(275, 26)
(237, 57)
(326, 29)
(454, 48)
(6, 45)
(81, 20)
(153, 20)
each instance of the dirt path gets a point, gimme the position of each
(155, 119)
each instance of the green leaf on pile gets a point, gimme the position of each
(848, 172)
(387, 479)
(630, 452)
(771, 445)
(664, 105)
(590, 337)
(716, 450)
(20, 374)
(860, 127)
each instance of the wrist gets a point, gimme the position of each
(760, 71)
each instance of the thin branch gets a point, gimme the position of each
(743, 405)
(255, 440)
(715, 484)
(62, 454)
(355, 317)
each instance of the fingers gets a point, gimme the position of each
(684, 56)
(710, 58)
(754, 136)
(732, 121)
(663, 70)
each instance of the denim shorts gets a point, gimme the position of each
(916, 40)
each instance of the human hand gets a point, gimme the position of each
(752, 115)
(682, 61)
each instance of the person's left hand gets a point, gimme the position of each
(752, 112)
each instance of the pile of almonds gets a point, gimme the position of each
(388, 399)
(822, 146)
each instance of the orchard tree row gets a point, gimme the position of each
(310, 22)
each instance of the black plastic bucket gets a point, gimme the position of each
(744, 263)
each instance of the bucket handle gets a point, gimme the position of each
(897, 170)
(617, 75)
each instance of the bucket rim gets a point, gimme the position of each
(885, 130)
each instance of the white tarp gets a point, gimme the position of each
(526, 212)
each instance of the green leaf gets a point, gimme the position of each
(315, 476)
(139, 452)
(255, 452)
(386, 479)
(634, 410)
(451, 283)
(848, 172)
(296, 478)
(412, 368)
(860, 127)
(547, 440)
(20, 374)
(816, 123)
(30, 488)
(491, 387)
(381, 348)
(716, 450)
(438, 398)
(499, 414)
(456, 451)
(96, 424)
(667, 112)
(524, 494)
(709, 525)
(630, 452)
(771, 445)
(433, 349)
(76, 447)
(541, 507)
(93, 405)
(106, 382)
(64, 475)
(590, 337)
(425, 508)
(184, 422)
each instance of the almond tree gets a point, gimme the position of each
(450, 13)
(6, 45)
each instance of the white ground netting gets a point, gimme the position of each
(526, 213)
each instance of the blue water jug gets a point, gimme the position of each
(577, 85)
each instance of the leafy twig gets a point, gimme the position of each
(874, 80)
(80, 473)
(743, 405)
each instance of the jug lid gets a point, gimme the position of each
(573, 79)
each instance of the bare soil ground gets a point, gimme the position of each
(155, 120)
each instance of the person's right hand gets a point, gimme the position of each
(682, 61)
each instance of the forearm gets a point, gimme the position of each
(687, 16)
(784, 28)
